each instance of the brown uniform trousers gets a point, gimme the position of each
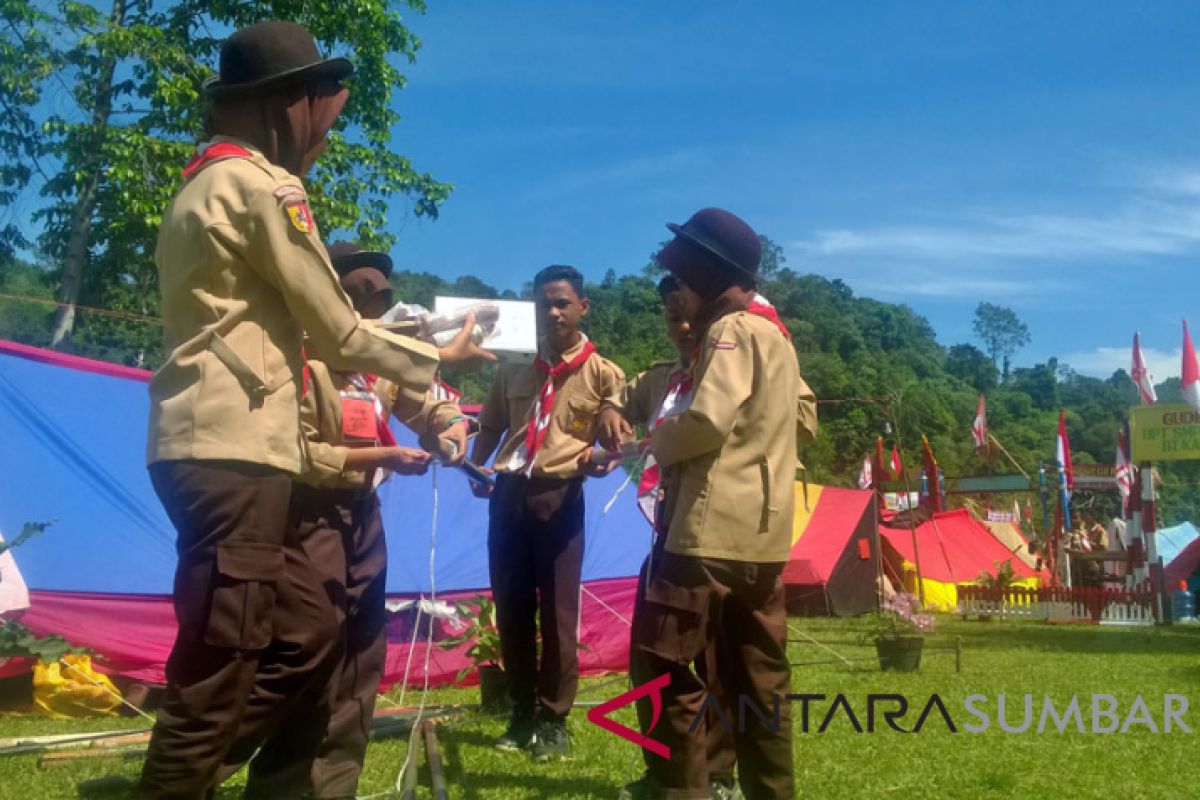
(258, 629)
(737, 608)
(535, 555)
(288, 765)
(719, 746)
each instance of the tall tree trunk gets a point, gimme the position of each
(79, 233)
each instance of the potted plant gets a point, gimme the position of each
(478, 617)
(899, 631)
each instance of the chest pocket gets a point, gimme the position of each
(577, 417)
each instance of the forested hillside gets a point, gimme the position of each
(875, 367)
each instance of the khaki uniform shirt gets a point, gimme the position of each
(321, 421)
(730, 458)
(578, 398)
(643, 394)
(244, 276)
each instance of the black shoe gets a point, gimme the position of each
(644, 788)
(518, 735)
(551, 741)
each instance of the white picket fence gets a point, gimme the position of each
(1099, 606)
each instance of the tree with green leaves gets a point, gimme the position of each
(1002, 334)
(102, 107)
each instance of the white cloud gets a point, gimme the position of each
(1161, 218)
(1104, 361)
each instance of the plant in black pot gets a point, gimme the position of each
(479, 632)
(899, 633)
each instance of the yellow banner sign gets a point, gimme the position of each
(1164, 433)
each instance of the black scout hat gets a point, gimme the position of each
(267, 53)
(347, 257)
(712, 251)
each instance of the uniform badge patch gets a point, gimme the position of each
(299, 214)
(579, 425)
(716, 344)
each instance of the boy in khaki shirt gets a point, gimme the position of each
(351, 452)
(546, 415)
(662, 391)
(729, 463)
(244, 278)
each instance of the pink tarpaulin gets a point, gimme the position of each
(132, 635)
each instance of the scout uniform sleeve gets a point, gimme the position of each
(433, 416)
(806, 414)
(285, 249)
(636, 400)
(723, 383)
(326, 461)
(494, 414)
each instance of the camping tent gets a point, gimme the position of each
(1179, 548)
(74, 432)
(1013, 540)
(834, 563)
(953, 548)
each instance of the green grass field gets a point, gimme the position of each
(1014, 658)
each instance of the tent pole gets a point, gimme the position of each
(912, 525)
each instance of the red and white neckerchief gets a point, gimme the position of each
(539, 417)
(762, 307)
(210, 152)
(675, 400)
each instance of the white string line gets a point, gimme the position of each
(104, 688)
(625, 483)
(799, 632)
(605, 605)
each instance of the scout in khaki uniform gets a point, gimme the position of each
(243, 277)
(662, 391)
(729, 464)
(548, 410)
(351, 452)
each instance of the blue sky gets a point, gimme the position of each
(1044, 156)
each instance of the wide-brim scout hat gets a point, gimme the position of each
(268, 54)
(347, 257)
(717, 236)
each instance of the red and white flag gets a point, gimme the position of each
(1062, 451)
(897, 466)
(979, 429)
(1124, 473)
(1190, 378)
(866, 478)
(1141, 374)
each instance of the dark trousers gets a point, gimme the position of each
(257, 628)
(356, 685)
(326, 741)
(721, 754)
(693, 604)
(535, 555)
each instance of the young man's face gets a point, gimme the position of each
(679, 329)
(559, 312)
(374, 306)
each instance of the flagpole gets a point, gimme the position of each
(1065, 502)
(912, 525)
(992, 438)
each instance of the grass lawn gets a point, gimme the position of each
(1013, 658)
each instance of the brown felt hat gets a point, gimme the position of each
(261, 56)
(348, 256)
(712, 251)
